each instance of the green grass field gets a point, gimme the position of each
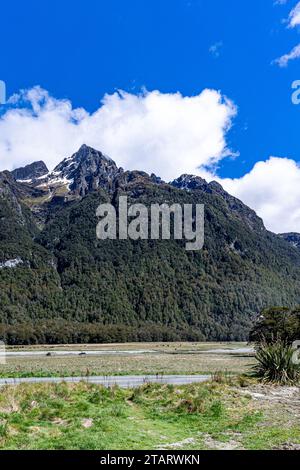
(83, 416)
(230, 412)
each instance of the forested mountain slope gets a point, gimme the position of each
(59, 283)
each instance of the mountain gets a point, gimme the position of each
(59, 283)
(292, 238)
(240, 210)
(30, 172)
(87, 170)
(27, 273)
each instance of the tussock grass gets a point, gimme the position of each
(275, 364)
(87, 416)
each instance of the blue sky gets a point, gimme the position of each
(83, 49)
(80, 50)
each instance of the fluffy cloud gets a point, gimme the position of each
(163, 133)
(286, 58)
(293, 21)
(294, 17)
(272, 188)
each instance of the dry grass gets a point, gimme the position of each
(157, 347)
(167, 358)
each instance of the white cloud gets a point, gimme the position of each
(167, 134)
(272, 189)
(163, 133)
(292, 21)
(294, 16)
(286, 58)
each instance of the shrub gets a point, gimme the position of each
(275, 364)
(277, 324)
(216, 409)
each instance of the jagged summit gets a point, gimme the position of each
(89, 169)
(30, 172)
(86, 170)
(292, 238)
(86, 155)
(189, 182)
(193, 182)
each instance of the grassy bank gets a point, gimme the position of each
(203, 416)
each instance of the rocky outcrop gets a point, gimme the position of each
(292, 238)
(30, 172)
(86, 171)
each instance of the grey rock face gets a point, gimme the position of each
(292, 238)
(30, 172)
(190, 183)
(87, 170)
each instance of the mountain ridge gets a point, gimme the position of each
(293, 238)
(69, 286)
(30, 172)
(89, 169)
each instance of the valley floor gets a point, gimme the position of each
(127, 359)
(228, 412)
(222, 415)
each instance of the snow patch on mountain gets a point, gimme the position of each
(11, 263)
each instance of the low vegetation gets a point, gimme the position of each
(277, 324)
(275, 364)
(274, 334)
(213, 415)
(129, 359)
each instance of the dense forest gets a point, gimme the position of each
(60, 284)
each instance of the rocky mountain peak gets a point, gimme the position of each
(189, 182)
(292, 238)
(86, 170)
(30, 172)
